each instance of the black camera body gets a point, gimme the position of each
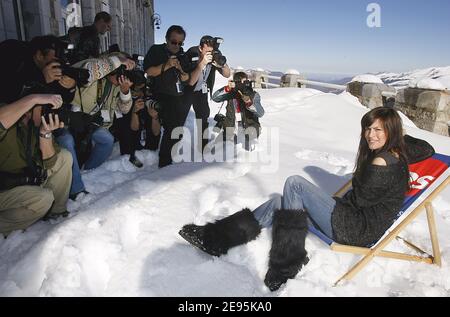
(246, 88)
(188, 61)
(63, 53)
(220, 119)
(216, 53)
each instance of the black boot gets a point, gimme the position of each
(217, 238)
(288, 254)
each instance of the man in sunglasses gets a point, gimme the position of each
(201, 81)
(163, 65)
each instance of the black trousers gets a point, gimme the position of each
(172, 116)
(202, 111)
(130, 140)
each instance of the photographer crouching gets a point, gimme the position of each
(107, 95)
(139, 129)
(243, 111)
(35, 176)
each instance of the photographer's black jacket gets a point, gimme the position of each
(20, 74)
(210, 81)
(166, 82)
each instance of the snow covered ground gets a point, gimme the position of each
(122, 240)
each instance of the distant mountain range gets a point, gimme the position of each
(397, 80)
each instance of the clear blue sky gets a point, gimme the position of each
(322, 36)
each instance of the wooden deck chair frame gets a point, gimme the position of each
(378, 249)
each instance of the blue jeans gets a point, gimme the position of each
(102, 141)
(299, 194)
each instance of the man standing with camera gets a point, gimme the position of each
(35, 176)
(203, 78)
(87, 39)
(162, 63)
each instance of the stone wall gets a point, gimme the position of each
(428, 109)
(370, 95)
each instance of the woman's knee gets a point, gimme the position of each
(295, 182)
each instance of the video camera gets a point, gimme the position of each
(63, 53)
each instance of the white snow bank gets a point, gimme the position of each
(367, 78)
(427, 83)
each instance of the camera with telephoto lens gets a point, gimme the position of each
(153, 104)
(188, 61)
(63, 53)
(216, 53)
(220, 119)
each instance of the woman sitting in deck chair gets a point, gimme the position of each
(360, 218)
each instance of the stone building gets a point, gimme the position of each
(133, 20)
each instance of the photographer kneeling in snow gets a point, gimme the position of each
(35, 176)
(243, 111)
(360, 218)
(107, 94)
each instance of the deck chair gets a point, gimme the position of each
(429, 178)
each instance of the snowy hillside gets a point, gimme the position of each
(440, 74)
(122, 240)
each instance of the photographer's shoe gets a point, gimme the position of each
(75, 197)
(49, 216)
(136, 162)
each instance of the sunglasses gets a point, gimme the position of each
(177, 43)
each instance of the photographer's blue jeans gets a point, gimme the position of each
(65, 140)
(299, 194)
(103, 142)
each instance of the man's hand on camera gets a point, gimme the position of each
(52, 72)
(54, 100)
(173, 62)
(207, 59)
(125, 85)
(67, 82)
(153, 113)
(52, 125)
(139, 105)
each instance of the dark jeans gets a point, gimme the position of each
(172, 116)
(130, 140)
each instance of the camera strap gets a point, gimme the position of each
(29, 157)
(102, 95)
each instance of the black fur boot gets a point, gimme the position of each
(217, 238)
(288, 254)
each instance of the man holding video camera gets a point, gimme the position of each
(203, 78)
(107, 95)
(163, 64)
(35, 175)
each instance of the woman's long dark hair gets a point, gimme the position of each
(395, 142)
